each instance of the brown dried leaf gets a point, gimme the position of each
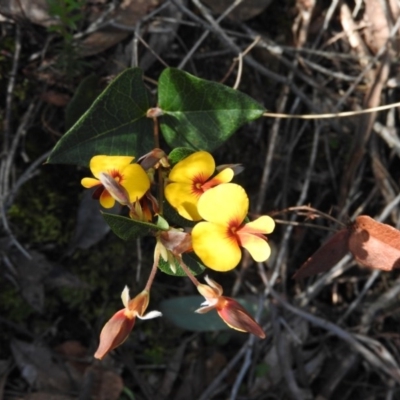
(38, 368)
(372, 244)
(47, 396)
(326, 256)
(55, 98)
(128, 13)
(375, 245)
(244, 11)
(33, 274)
(75, 355)
(107, 385)
(377, 32)
(36, 11)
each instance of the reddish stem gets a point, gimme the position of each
(152, 275)
(187, 271)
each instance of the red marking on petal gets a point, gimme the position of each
(116, 175)
(197, 184)
(210, 184)
(233, 228)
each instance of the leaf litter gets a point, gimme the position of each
(310, 59)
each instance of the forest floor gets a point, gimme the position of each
(334, 335)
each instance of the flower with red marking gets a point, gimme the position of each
(117, 179)
(218, 239)
(190, 178)
(117, 329)
(231, 312)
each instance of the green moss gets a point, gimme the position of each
(42, 212)
(13, 305)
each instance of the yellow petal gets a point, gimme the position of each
(198, 165)
(106, 200)
(264, 224)
(135, 180)
(224, 176)
(212, 244)
(108, 164)
(224, 204)
(257, 247)
(90, 182)
(181, 197)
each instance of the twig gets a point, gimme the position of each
(343, 114)
(350, 339)
(28, 174)
(300, 201)
(139, 259)
(207, 394)
(10, 90)
(282, 349)
(324, 280)
(271, 151)
(354, 304)
(206, 33)
(248, 358)
(383, 301)
(239, 60)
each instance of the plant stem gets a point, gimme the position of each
(187, 271)
(152, 275)
(159, 171)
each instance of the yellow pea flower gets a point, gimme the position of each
(132, 177)
(190, 178)
(218, 239)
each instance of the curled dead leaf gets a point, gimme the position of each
(373, 244)
(326, 256)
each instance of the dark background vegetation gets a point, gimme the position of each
(332, 336)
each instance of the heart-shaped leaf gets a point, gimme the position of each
(201, 114)
(127, 228)
(85, 94)
(116, 124)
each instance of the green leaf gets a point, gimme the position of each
(115, 124)
(127, 228)
(178, 154)
(84, 96)
(181, 312)
(191, 260)
(201, 114)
